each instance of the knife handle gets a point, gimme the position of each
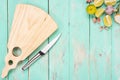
(32, 60)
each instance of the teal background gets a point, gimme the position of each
(82, 53)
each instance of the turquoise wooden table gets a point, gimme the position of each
(82, 53)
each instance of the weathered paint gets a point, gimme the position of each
(82, 53)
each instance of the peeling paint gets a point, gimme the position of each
(79, 54)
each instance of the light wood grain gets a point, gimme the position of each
(31, 27)
(41, 66)
(73, 57)
(17, 73)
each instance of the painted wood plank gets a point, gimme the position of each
(39, 70)
(3, 35)
(100, 52)
(79, 41)
(116, 52)
(62, 56)
(16, 73)
(59, 54)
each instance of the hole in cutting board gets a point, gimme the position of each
(16, 51)
(10, 62)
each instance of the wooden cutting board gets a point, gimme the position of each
(31, 27)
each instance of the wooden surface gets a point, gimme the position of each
(30, 28)
(82, 53)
